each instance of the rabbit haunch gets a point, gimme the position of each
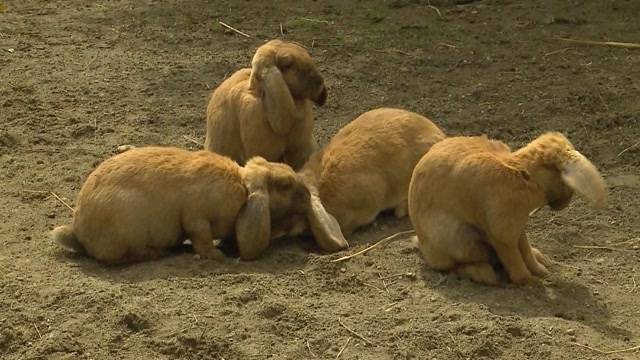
(267, 110)
(367, 165)
(470, 199)
(137, 205)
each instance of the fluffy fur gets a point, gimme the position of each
(266, 110)
(137, 205)
(470, 199)
(367, 165)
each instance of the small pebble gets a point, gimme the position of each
(343, 270)
(571, 332)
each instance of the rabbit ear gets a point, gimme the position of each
(278, 102)
(324, 227)
(253, 225)
(267, 81)
(582, 176)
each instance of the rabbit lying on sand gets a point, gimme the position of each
(137, 205)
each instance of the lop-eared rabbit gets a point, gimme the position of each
(267, 110)
(366, 167)
(137, 205)
(470, 200)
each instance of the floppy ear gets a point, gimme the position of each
(582, 176)
(253, 225)
(324, 227)
(278, 103)
(268, 82)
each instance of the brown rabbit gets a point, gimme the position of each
(266, 110)
(367, 165)
(470, 199)
(137, 205)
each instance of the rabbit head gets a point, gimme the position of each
(278, 63)
(560, 169)
(278, 199)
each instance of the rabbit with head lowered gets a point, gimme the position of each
(367, 166)
(267, 110)
(137, 205)
(470, 200)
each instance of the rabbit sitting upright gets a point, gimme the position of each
(266, 110)
(470, 199)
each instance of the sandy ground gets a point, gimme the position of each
(79, 78)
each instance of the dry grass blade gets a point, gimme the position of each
(436, 9)
(309, 348)
(627, 242)
(355, 333)
(343, 347)
(604, 43)
(37, 330)
(594, 247)
(557, 51)
(607, 352)
(316, 20)
(380, 242)
(628, 148)
(62, 201)
(192, 140)
(234, 29)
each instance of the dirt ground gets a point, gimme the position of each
(78, 78)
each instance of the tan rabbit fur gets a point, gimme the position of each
(367, 165)
(470, 199)
(266, 110)
(137, 205)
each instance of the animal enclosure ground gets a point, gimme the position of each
(79, 78)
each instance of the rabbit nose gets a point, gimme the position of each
(322, 97)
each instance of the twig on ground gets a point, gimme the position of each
(408, 274)
(604, 43)
(599, 247)
(392, 50)
(558, 51)
(309, 348)
(607, 352)
(38, 331)
(37, 191)
(563, 264)
(355, 333)
(447, 45)
(234, 29)
(62, 201)
(628, 148)
(316, 20)
(372, 286)
(343, 347)
(193, 140)
(630, 241)
(380, 242)
(391, 306)
(436, 9)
